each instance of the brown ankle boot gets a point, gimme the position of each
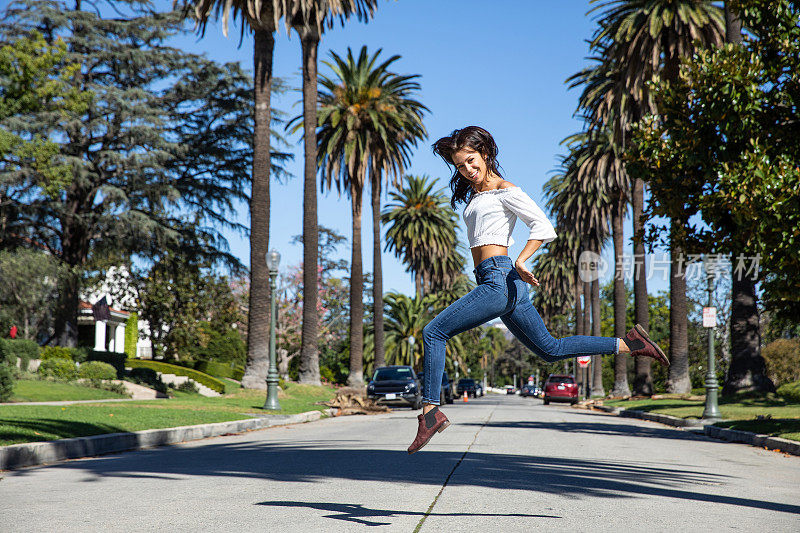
(640, 344)
(429, 424)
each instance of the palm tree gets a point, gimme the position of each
(422, 234)
(640, 39)
(586, 208)
(367, 125)
(604, 164)
(309, 19)
(261, 18)
(405, 319)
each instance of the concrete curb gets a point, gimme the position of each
(37, 453)
(730, 435)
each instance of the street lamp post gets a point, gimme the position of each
(273, 260)
(411, 341)
(711, 411)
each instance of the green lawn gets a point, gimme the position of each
(768, 414)
(51, 391)
(28, 423)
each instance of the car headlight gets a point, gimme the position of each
(411, 386)
(371, 387)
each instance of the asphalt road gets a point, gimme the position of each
(505, 464)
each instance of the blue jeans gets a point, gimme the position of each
(500, 293)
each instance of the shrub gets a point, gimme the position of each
(59, 368)
(96, 371)
(119, 388)
(24, 350)
(783, 360)
(56, 352)
(790, 392)
(6, 383)
(166, 368)
(187, 386)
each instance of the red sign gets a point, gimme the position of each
(583, 361)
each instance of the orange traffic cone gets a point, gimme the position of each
(465, 398)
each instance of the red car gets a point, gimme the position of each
(560, 388)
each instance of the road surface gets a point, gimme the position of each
(505, 464)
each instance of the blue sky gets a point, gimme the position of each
(500, 65)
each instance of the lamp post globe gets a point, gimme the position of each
(273, 261)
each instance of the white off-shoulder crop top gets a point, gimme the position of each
(490, 217)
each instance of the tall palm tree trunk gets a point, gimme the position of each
(678, 381)
(309, 350)
(643, 378)
(255, 372)
(356, 378)
(597, 360)
(621, 388)
(377, 273)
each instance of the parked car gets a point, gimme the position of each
(467, 385)
(530, 390)
(396, 385)
(510, 389)
(560, 388)
(447, 393)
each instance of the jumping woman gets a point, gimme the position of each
(493, 207)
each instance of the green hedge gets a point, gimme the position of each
(78, 355)
(220, 370)
(166, 368)
(131, 334)
(22, 349)
(790, 392)
(6, 383)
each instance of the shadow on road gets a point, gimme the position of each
(359, 514)
(319, 461)
(593, 427)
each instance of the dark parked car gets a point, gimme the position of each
(395, 385)
(467, 385)
(447, 387)
(560, 388)
(530, 390)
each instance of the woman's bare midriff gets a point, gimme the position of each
(480, 253)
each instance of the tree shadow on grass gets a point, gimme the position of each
(359, 514)
(26, 429)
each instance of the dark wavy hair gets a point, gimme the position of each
(473, 138)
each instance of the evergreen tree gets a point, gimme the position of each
(165, 138)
